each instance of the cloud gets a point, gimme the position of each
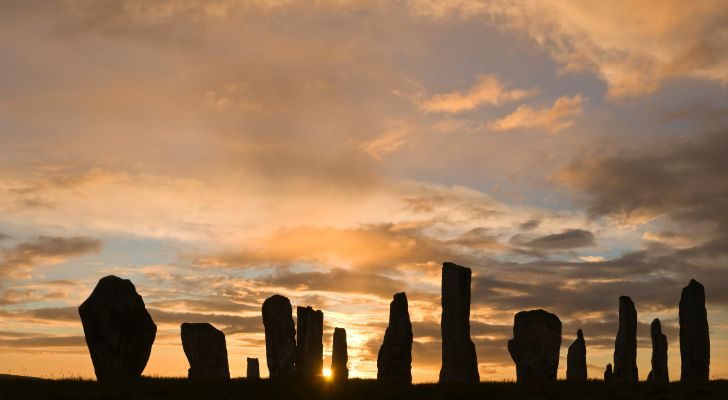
(559, 116)
(487, 90)
(394, 137)
(568, 239)
(45, 250)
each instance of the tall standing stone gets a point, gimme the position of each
(608, 374)
(625, 346)
(339, 356)
(310, 344)
(119, 331)
(459, 361)
(280, 336)
(253, 371)
(394, 362)
(694, 335)
(535, 345)
(576, 359)
(659, 354)
(206, 351)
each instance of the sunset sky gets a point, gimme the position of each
(338, 151)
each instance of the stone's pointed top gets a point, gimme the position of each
(655, 326)
(450, 265)
(693, 282)
(400, 296)
(626, 300)
(580, 334)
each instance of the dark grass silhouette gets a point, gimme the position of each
(365, 389)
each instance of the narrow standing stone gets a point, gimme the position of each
(659, 354)
(694, 334)
(608, 374)
(625, 346)
(576, 359)
(459, 360)
(119, 331)
(339, 356)
(535, 345)
(280, 336)
(310, 344)
(253, 369)
(206, 351)
(394, 362)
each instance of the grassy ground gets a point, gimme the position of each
(241, 389)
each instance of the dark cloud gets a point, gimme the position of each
(530, 224)
(338, 280)
(44, 248)
(568, 239)
(39, 341)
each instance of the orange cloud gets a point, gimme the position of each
(487, 90)
(552, 119)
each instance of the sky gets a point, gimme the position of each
(339, 151)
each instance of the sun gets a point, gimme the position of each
(327, 373)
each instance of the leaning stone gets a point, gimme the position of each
(280, 336)
(119, 331)
(339, 356)
(576, 359)
(625, 346)
(253, 372)
(459, 360)
(659, 354)
(310, 345)
(206, 351)
(694, 334)
(535, 345)
(394, 361)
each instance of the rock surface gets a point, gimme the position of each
(625, 346)
(310, 343)
(253, 371)
(339, 356)
(608, 374)
(535, 345)
(694, 334)
(659, 354)
(119, 331)
(394, 362)
(459, 360)
(576, 359)
(206, 351)
(280, 336)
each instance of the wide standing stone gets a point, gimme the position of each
(119, 331)
(608, 374)
(694, 335)
(576, 359)
(394, 362)
(459, 361)
(253, 369)
(310, 344)
(659, 354)
(535, 345)
(280, 336)
(206, 351)
(339, 356)
(625, 346)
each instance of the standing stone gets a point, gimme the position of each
(206, 351)
(280, 336)
(339, 356)
(659, 354)
(119, 331)
(694, 335)
(608, 375)
(576, 359)
(535, 345)
(625, 346)
(459, 361)
(394, 362)
(310, 345)
(253, 372)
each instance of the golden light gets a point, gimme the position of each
(327, 373)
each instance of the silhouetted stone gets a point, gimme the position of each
(119, 331)
(339, 356)
(394, 362)
(310, 344)
(576, 359)
(608, 374)
(625, 346)
(659, 354)
(694, 335)
(206, 351)
(535, 345)
(459, 361)
(253, 369)
(280, 336)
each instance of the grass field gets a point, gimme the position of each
(241, 389)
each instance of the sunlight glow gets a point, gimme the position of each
(327, 373)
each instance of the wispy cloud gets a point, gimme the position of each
(553, 119)
(487, 90)
(394, 137)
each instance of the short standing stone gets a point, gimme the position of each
(394, 361)
(535, 345)
(608, 374)
(206, 351)
(459, 360)
(253, 369)
(694, 335)
(280, 336)
(310, 344)
(659, 354)
(119, 331)
(339, 356)
(576, 359)
(625, 346)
